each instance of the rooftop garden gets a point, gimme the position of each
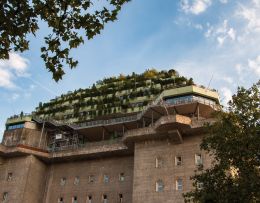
(112, 96)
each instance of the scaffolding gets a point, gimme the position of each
(61, 140)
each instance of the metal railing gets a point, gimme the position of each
(113, 121)
(85, 145)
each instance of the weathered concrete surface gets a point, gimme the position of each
(146, 174)
(37, 173)
(97, 168)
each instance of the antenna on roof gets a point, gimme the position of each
(210, 81)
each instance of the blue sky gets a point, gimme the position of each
(203, 39)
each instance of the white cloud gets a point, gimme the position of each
(15, 96)
(184, 21)
(221, 33)
(6, 78)
(226, 94)
(195, 6)
(228, 79)
(223, 1)
(254, 65)
(15, 66)
(251, 14)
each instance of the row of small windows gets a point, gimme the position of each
(159, 186)
(90, 198)
(92, 179)
(17, 126)
(74, 199)
(179, 161)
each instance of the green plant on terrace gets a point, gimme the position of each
(113, 95)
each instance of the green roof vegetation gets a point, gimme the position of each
(18, 119)
(112, 97)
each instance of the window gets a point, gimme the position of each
(199, 185)
(121, 177)
(60, 200)
(158, 162)
(91, 179)
(76, 180)
(105, 199)
(63, 181)
(9, 176)
(159, 186)
(74, 199)
(120, 198)
(179, 184)
(89, 199)
(106, 178)
(178, 161)
(198, 160)
(16, 126)
(5, 196)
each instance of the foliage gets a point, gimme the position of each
(234, 141)
(112, 95)
(66, 19)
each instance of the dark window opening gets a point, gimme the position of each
(9, 176)
(89, 199)
(105, 200)
(74, 199)
(120, 198)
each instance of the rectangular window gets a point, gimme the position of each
(5, 196)
(159, 186)
(74, 199)
(198, 160)
(199, 185)
(76, 180)
(121, 177)
(9, 176)
(120, 198)
(106, 178)
(89, 199)
(178, 161)
(105, 199)
(158, 162)
(91, 179)
(179, 184)
(63, 181)
(60, 200)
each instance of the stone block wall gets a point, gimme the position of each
(146, 173)
(83, 187)
(23, 179)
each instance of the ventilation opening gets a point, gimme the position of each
(121, 177)
(74, 199)
(9, 176)
(5, 196)
(60, 200)
(105, 200)
(89, 199)
(120, 198)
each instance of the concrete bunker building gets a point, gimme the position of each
(127, 139)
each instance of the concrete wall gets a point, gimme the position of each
(26, 184)
(146, 174)
(36, 181)
(98, 168)
(26, 136)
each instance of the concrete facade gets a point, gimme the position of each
(135, 171)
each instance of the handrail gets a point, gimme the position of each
(157, 102)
